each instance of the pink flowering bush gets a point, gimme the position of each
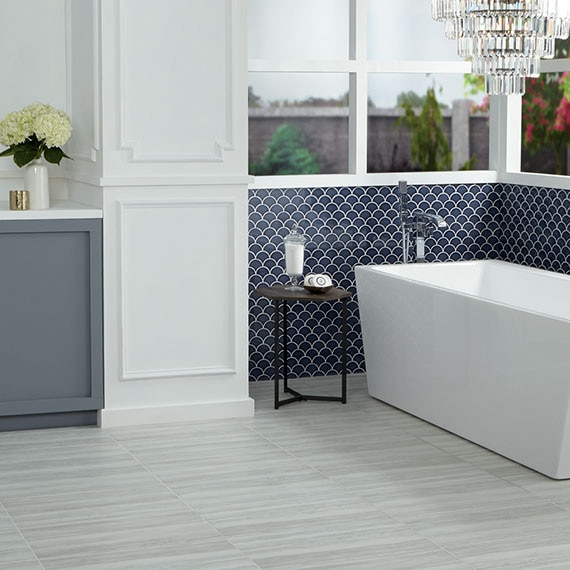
(545, 108)
(546, 116)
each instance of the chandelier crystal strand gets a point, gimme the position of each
(505, 39)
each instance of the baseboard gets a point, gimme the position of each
(109, 418)
(51, 420)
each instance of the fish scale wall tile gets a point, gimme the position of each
(536, 227)
(346, 227)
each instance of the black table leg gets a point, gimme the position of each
(285, 347)
(297, 396)
(344, 327)
(276, 348)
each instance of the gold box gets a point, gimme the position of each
(19, 200)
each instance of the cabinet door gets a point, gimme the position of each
(50, 316)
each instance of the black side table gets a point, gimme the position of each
(278, 294)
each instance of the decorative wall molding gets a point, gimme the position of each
(218, 147)
(90, 153)
(216, 211)
(175, 373)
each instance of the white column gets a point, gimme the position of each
(173, 163)
(505, 133)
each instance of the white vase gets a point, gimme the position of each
(36, 182)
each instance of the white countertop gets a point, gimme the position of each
(58, 210)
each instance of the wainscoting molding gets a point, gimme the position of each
(147, 144)
(171, 328)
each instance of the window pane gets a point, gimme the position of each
(390, 134)
(298, 29)
(298, 123)
(545, 126)
(411, 34)
(546, 121)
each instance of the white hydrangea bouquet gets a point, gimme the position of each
(36, 130)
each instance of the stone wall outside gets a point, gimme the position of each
(326, 131)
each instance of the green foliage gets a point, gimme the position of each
(414, 100)
(429, 147)
(469, 164)
(32, 149)
(410, 98)
(253, 100)
(286, 154)
(562, 48)
(474, 84)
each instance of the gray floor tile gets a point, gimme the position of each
(321, 549)
(12, 565)
(313, 485)
(405, 494)
(14, 550)
(518, 521)
(151, 552)
(527, 552)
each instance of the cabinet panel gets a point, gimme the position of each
(51, 307)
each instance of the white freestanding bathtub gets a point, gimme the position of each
(479, 348)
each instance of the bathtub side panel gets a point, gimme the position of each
(492, 374)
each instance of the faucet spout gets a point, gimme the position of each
(419, 224)
(431, 220)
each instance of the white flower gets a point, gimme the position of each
(13, 129)
(53, 127)
(36, 130)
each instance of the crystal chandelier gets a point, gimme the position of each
(505, 39)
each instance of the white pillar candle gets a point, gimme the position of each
(294, 253)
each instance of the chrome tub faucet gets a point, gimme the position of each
(417, 225)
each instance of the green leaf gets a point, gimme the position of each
(8, 152)
(54, 155)
(24, 155)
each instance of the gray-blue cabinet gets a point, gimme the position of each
(51, 323)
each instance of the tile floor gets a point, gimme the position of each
(314, 485)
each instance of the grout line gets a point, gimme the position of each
(182, 500)
(22, 535)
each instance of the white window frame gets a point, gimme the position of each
(506, 140)
(504, 122)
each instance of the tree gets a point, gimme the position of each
(429, 147)
(410, 98)
(414, 100)
(253, 100)
(546, 116)
(545, 109)
(286, 154)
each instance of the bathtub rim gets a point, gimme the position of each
(384, 269)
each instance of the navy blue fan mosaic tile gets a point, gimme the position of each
(536, 227)
(346, 227)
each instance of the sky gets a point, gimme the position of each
(318, 29)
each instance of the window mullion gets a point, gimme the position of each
(358, 100)
(505, 133)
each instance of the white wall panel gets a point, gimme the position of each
(83, 84)
(176, 318)
(33, 48)
(177, 288)
(32, 68)
(170, 87)
(174, 88)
